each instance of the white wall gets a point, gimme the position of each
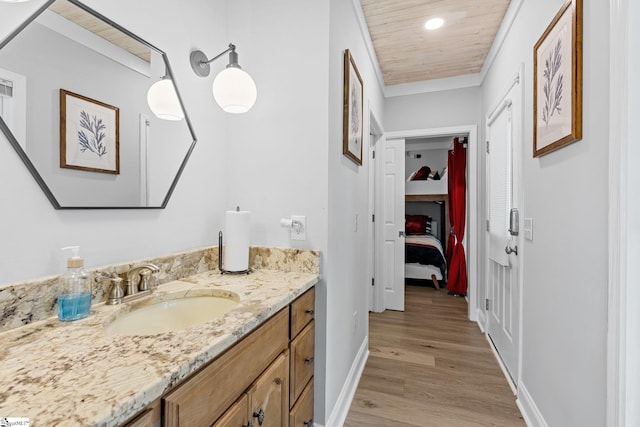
(276, 163)
(435, 159)
(445, 108)
(32, 231)
(565, 266)
(347, 281)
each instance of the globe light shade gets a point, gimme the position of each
(163, 100)
(234, 90)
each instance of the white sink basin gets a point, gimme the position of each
(172, 314)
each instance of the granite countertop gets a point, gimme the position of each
(58, 373)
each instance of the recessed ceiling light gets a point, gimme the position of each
(434, 23)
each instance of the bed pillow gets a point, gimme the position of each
(422, 174)
(417, 224)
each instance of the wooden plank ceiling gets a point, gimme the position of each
(407, 52)
(100, 28)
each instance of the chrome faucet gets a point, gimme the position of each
(137, 278)
(136, 283)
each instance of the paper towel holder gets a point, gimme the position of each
(222, 270)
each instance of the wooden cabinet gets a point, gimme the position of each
(150, 417)
(267, 375)
(200, 400)
(302, 360)
(302, 312)
(236, 416)
(302, 412)
(268, 397)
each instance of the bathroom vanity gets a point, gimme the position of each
(254, 362)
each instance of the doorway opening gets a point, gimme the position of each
(391, 193)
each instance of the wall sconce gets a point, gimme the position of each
(233, 88)
(163, 100)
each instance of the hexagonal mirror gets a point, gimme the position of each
(76, 102)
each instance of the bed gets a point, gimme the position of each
(422, 182)
(424, 257)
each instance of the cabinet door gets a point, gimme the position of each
(237, 415)
(268, 397)
(302, 412)
(302, 361)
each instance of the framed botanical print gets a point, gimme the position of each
(89, 134)
(557, 84)
(353, 111)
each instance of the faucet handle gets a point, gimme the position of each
(144, 279)
(116, 293)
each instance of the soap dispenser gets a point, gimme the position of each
(75, 300)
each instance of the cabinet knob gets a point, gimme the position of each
(308, 360)
(310, 312)
(259, 415)
(308, 423)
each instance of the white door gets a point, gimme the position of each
(393, 225)
(505, 248)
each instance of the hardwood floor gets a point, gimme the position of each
(430, 366)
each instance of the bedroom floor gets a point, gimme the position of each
(430, 366)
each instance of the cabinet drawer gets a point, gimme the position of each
(302, 361)
(203, 398)
(302, 413)
(302, 311)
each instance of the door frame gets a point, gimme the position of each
(472, 226)
(623, 348)
(376, 140)
(518, 123)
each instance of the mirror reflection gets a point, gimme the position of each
(74, 91)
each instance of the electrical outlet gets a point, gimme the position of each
(299, 227)
(528, 228)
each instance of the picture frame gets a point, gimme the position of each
(353, 111)
(557, 81)
(89, 134)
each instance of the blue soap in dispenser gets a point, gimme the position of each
(75, 300)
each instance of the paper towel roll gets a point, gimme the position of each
(236, 241)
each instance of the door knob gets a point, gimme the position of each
(401, 233)
(509, 250)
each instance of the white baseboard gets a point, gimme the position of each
(528, 408)
(504, 369)
(341, 409)
(482, 320)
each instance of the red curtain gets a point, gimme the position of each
(456, 260)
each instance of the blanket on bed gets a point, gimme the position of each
(426, 250)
